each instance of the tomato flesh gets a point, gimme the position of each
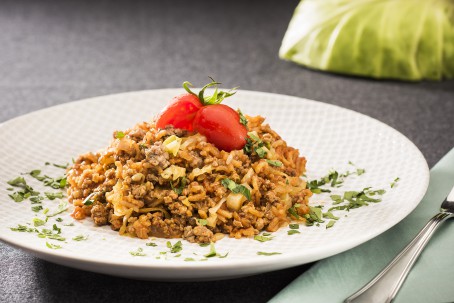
(180, 112)
(221, 126)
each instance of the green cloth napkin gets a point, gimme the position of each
(432, 277)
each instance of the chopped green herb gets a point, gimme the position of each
(236, 188)
(45, 211)
(253, 142)
(36, 199)
(22, 228)
(262, 253)
(189, 259)
(10, 189)
(18, 196)
(330, 224)
(204, 244)
(262, 238)
(37, 208)
(177, 256)
(56, 228)
(69, 224)
(202, 221)
(330, 215)
(151, 244)
(80, 238)
(18, 182)
(243, 119)
(38, 222)
(53, 246)
(63, 206)
(119, 135)
(36, 174)
(292, 232)
(138, 253)
(178, 190)
(314, 215)
(177, 247)
(292, 210)
(212, 252)
(393, 184)
(261, 152)
(59, 220)
(56, 237)
(53, 196)
(64, 166)
(294, 226)
(274, 162)
(360, 171)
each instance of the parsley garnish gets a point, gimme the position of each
(64, 166)
(292, 232)
(202, 221)
(53, 196)
(53, 246)
(119, 135)
(189, 259)
(151, 244)
(61, 208)
(212, 252)
(243, 119)
(393, 184)
(138, 253)
(178, 190)
(262, 238)
(37, 208)
(262, 253)
(80, 238)
(236, 188)
(330, 224)
(177, 247)
(276, 163)
(294, 226)
(22, 228)
(253, 142)
(38, 222)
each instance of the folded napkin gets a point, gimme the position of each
(432, 277)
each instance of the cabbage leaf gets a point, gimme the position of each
(397, 39)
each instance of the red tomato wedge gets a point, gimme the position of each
(221, 125)
(180, 112)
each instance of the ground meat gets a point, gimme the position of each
(139, 191)
(199, 234)
(170, 130)
(167, 228)
(157, 156)
(140, 227)
(115, 221)
(99, 214)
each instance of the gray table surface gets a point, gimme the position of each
(52, 52)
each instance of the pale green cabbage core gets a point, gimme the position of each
(398, 39)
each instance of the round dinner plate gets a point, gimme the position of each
(330, 137)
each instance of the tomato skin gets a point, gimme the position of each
(180, 112)
(221, 125)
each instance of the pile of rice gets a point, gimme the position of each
(167, 183)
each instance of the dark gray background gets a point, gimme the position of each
(52, 52)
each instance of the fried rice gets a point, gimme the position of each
(170, 183)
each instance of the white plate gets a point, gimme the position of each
(329, 137)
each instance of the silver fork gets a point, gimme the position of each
(384, 287)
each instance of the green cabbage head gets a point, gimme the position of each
(398, 39)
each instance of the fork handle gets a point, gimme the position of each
(384, 287)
